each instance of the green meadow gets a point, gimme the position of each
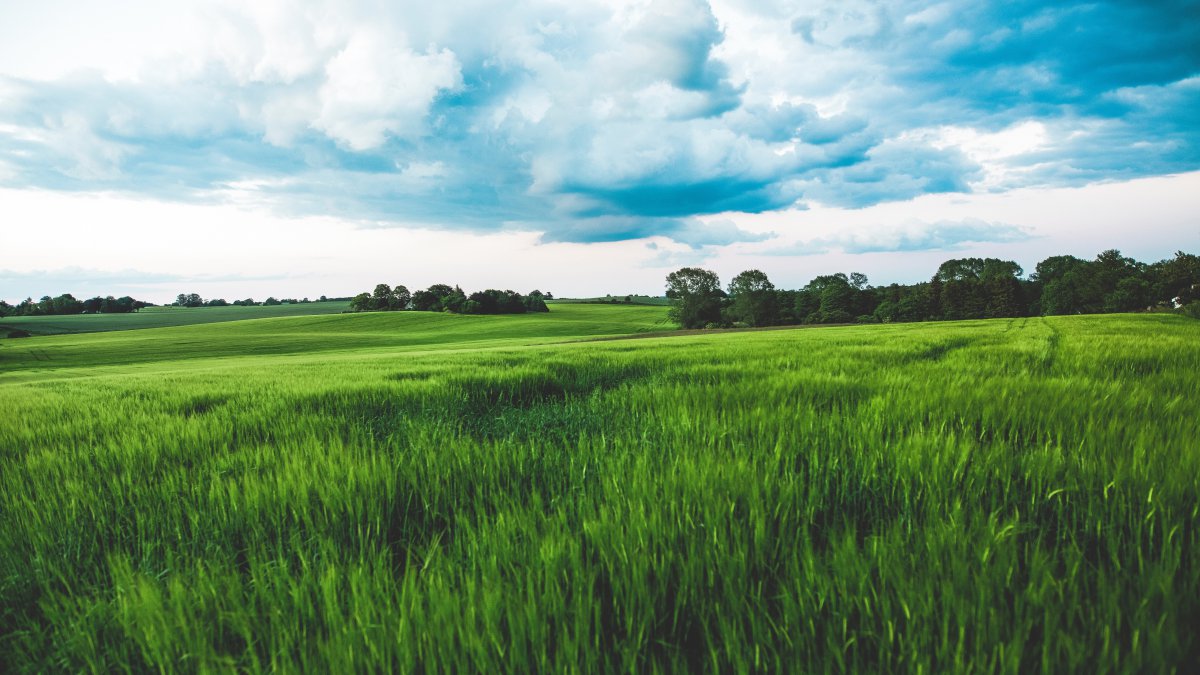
(360, 333)
(430, 492)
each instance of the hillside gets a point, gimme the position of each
(328, 333)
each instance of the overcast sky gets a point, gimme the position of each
(308, 148)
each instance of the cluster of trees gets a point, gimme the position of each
(67, 304)
(194, 300)
(964, 288)
(443, 298)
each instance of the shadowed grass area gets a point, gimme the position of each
(1000, 496)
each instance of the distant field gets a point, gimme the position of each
(620, 299)
(404, 492)
(329, 333)
(160, 317)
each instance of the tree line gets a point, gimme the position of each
(444, 298)
(68, 304)
(963, 288)
(194, 300)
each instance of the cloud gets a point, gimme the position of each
(595, 121)
(691, 232)
(911, 236)
(696, 234)
(665, 257)
(374, 90)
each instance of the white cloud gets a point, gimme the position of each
(992, 151)
(375, 89)
(89, 157)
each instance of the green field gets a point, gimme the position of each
(160, 317)
(358, 334)
(410, 492)
(620, 299)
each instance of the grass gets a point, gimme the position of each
(161, 317)
(999, 496)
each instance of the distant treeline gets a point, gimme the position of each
(964, 288)
(194, 300)
(443, 298)
(67, 304)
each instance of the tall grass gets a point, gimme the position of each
(998, 496)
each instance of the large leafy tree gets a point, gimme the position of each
(361, 302)
(754, 300)
(400, 297)
(695, 297)
(381, 299)
(972, 288)
(1176, 280)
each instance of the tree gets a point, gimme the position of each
(536, 302)
(862, 300)
(933, 298)
(400, 297)
(454, 301)
(361, 302)
(974, 288)
(1001, 289)
(1131, 294)
(837, 304)
(127, 305)
(806, 305)
(1176, 281)
(754, 298)
(381, 299)
(67, 304)
(423, 301)
(695, 297)
(828, 298)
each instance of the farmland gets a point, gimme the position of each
(161, 317)
(415, 491)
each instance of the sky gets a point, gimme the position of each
(307, 148)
